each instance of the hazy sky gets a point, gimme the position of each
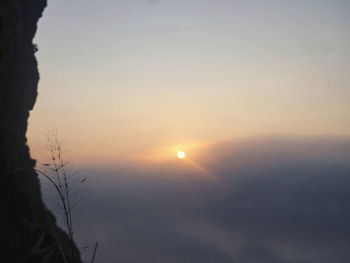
(124, 78)
(142, 79)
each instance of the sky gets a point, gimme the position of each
(124, 78)
(256, 93)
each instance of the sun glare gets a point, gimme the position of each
(181, 155)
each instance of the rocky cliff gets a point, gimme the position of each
(28, 231)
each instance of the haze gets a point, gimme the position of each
(255, 93)
(123, 78)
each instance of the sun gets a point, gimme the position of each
(181, 155)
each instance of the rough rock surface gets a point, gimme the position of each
(28, 231)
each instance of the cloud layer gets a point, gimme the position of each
(277, 199)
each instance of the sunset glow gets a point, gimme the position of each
(200, 131)
(181, 155)
(209, 89)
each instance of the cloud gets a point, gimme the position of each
(152, 1)
(215, 235)
(279, 199)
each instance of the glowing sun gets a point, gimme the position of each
(181, 154)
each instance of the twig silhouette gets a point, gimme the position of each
(61, 180)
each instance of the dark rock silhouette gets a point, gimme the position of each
(28, 231)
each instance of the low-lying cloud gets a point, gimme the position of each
(277, 199)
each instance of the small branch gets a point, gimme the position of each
(94, 254)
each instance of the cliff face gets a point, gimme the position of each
(28, 232)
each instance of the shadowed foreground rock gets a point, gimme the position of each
(28, 231)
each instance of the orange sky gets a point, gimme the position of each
(127, 79)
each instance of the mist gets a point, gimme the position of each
(274, 199)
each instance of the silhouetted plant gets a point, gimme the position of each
(58, 176)
(63, 182)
